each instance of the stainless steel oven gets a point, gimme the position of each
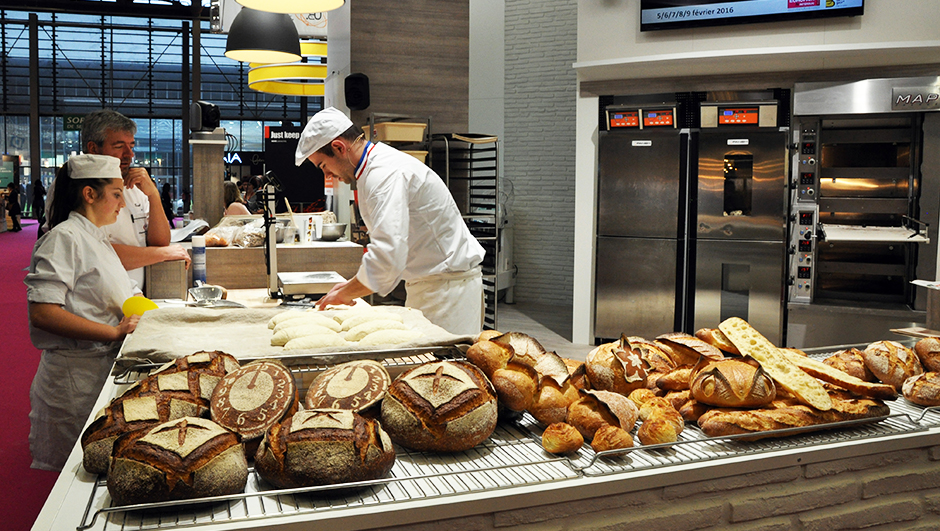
(863, 210)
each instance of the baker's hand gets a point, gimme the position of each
(127, 326)
(175, 251)
(139, 177)
(335, 296)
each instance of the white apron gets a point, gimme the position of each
(453, 301)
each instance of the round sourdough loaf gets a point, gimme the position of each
(923, 389)
(615, 367)
(254, 398)
(928, 350)
(892, 362)
(851, 362)
(442, 406)
(181, 459)
(355, 385)
(324, 447)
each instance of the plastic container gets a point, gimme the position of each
(199, 260)
(420, 155)
(399, 132)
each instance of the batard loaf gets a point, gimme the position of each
(443, 406)
(324, 447)
(794, 380)
(181, 459)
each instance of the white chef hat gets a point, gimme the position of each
(88, 166)
(322, 129)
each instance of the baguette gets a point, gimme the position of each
(834, 376)
(787, 375)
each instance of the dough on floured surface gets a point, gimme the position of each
(360, 331)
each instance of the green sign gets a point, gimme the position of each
(7, 173)
(72, 122)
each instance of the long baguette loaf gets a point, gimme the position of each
(787, 375)
(832, 375)
(782, 414)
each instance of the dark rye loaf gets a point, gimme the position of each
(443, 406)
(181, 459)
(324, 447)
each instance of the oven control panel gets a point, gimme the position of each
(806, 168)
(801, 253)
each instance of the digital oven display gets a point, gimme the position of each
(657, 118)
(738, 115)
(624, 119)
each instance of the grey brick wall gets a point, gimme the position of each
(539, 145)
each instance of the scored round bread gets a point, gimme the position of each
(852, 362)
(892, 362)
(324, 447)
(733, 383)
(612, 367)
(253, 398)
(923, 389)
(561, 438)
(354, 385)
(181, 459)
(928, 351)
(442, 406)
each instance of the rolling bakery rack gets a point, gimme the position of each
(512, 457)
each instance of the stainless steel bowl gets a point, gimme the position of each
(332, 231)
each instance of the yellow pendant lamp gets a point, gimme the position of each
(262, 37)
(293, 6)
(293, 79)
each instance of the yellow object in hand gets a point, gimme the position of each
(137, 305)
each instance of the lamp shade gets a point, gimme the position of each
(293, 6)
(262, 37)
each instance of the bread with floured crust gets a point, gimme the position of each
(923, 389)
(892, 362)
(928, 351)
(717, 339)
(852, 362)
(354, 385)
(752, 343)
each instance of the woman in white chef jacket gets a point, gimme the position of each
(76, 286)
(416, 232)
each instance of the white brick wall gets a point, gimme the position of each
(539, 143)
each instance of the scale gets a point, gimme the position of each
(288, 286)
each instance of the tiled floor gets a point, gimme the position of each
(549, 325)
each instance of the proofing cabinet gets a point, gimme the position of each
(469, 165)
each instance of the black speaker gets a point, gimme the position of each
(357, 92)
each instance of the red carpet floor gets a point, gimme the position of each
(23, 489)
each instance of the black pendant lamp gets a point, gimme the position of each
(293, 6)
(262, 37)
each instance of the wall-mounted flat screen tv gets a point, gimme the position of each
(674, 14)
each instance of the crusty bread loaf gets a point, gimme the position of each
(577, 374)
(733, 383)
(781, 414)
(611, 438)
(677, 399)
(354, 385)
(516, 385)
(486, 335)
(611, 367)
(892, 362)
(550, 404)
(686, 349)
(657, 430)
(692, 410)
(928, 351)
(751, 343)
(443, 406)
(717, 339)
(653, 353)
(834, 376)
(677, 379)
(253, 398)
(561, 438)
(324, 447)
(181, 459)
(489, 356)
(923, 389)
(598, 408)
(852, 362)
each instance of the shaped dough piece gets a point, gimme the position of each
(284, 316)
(308, 319)
(341, 315)
(364, 317)
(389, 337)
(282, 337)
(360, 331)
(317, 341)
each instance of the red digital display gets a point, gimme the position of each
(657, 118)
(624, 119)
(740, 115)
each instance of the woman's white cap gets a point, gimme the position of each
(322, 129)
(88, 166)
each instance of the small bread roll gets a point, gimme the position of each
(362, 330)
(488, 356)
(561, 438)
(588, 415)
(640, 396)
(647, 408)
(280, 338)
(611, 438)
(692, 410)
(678, 398)
(487, 335)
(657, 430)
(551, 403)
(516, 385)
(928, 351)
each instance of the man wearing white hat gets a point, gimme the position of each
(416, 233)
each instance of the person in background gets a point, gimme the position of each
(187, 204)
(39, 203)
(13, 206)
(416, 232)
(232, 197)
(166, 198)
(141, 235)
(75, 288)
(252, 197)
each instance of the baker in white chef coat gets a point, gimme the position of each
(75, 287)
(416, 233)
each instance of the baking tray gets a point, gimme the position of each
(308, 283)
(512, 457)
